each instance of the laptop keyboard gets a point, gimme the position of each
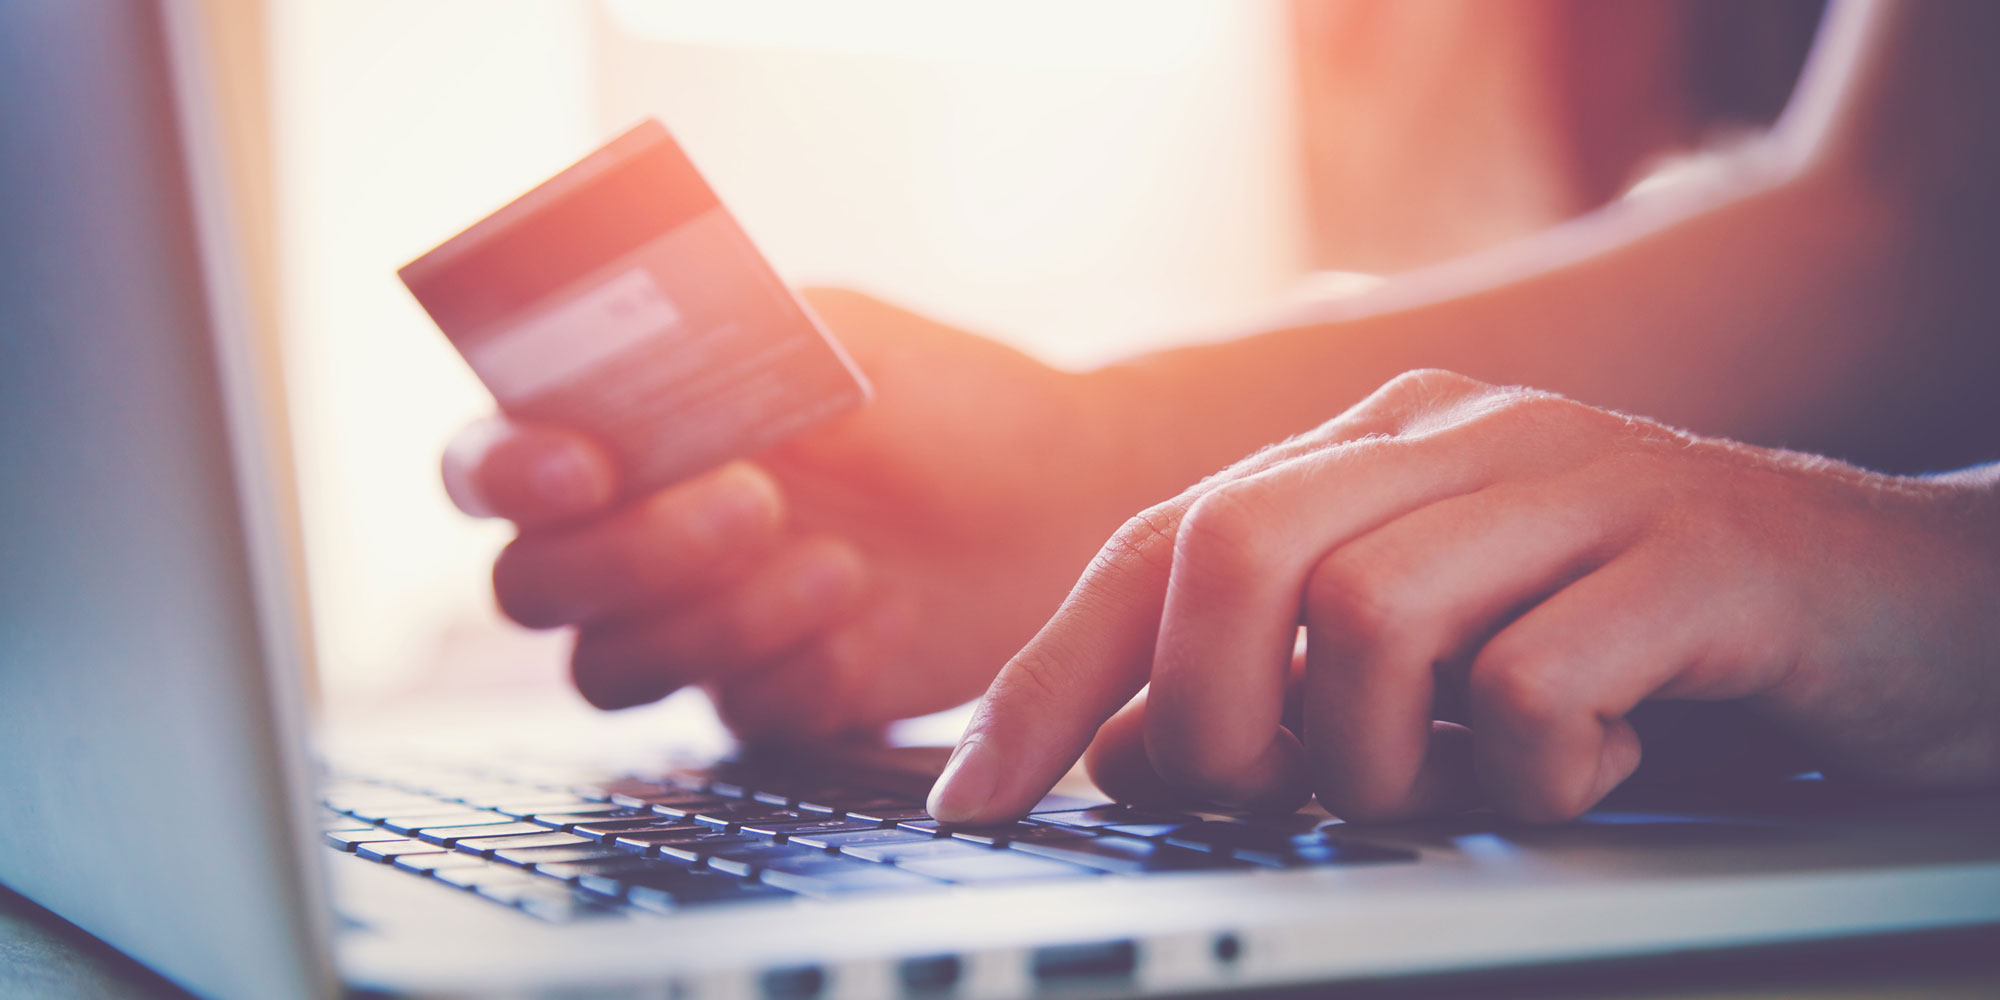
(724, 834)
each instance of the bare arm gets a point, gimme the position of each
(1832, 291)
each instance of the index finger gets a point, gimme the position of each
(1095, 654)
(1048, 701)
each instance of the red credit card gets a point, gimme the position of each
(621, 299)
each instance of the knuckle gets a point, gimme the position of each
(1147, 538)
(1514, 682)
(1552, 412)
(1431, 385)
(1225, 534)
(1352, 596)
(1416, 398)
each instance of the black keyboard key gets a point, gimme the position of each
(523, 807)
(829, 875)
(697, 846)
(488, 873)
(386, 851)
(859, 838)
(1057, 802)
(425, 864)
(649, 841)
(723, 890)
(888, 811)
(346, 840)
(1145, 831)
(896, 853)
(1213, 835)
(668, 885)
(992, 866)
(807, 828)
(651, 873)
(409, 825)
(571, 871)
(688, 809)
(1278, 846)
(446, 836)
(728, 817)
(670, 799)
(1125, 855)
(535, 857)
(1103, 816)
(925, 825)
(602, 813)
(611, 830)
(835, 798)
(1000, 836)
(544, 838)
(564, 817)
(745, 859)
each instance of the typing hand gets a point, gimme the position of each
(1544, 565)
(875, 568)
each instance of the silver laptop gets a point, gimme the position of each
(159, 791)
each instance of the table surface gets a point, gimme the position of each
(43, 956)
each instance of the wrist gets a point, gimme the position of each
(1149, 430)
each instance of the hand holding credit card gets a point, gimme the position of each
(621, 299)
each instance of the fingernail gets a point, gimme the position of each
(967, 783)
(565, 480)
(738, 502)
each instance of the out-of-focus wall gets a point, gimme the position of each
(396, 122)
(1082, 179)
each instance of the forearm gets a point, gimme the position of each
(1806, 312)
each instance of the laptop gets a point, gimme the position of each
(161, 792)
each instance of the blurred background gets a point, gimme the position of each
(1083, 179)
